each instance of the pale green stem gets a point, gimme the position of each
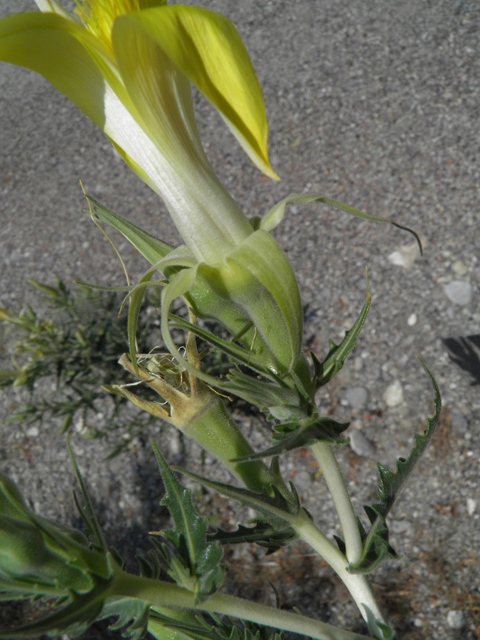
(358, 584)
(336, 485)
(162, 594)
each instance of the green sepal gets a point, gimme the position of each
(196, 565)
(136, 300)
(302, 433)
(258, 276)
(276, 397)
(273, 217)
(262, 534)
(337, 354)
(151, 248)
(375, 545)
(279, 509)
(233, 350)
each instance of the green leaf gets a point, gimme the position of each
(223, 629)
(376, 546)
(328, 369)
(75, 618)
(131, 613)
(197, 563)
(87, 513)
(263, 534)
(388, 632)
(279, 510)
(302, 433)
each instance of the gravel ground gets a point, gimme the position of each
(375, 104)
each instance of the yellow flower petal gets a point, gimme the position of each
(64, 53)
(208, 49)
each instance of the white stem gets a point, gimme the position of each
(357, 584)
(336, 485)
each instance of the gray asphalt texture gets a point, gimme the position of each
(376, 104)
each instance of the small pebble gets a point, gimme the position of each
(405, 256)
(361, 445)
(471, 506)
(33, 432)
(459, 268)
(459, 292)
(400, 526)
(393, 395)
(302, 480)
(412, 320)
(357, 398)
(456, 619)
(175, 445)
(459, 421)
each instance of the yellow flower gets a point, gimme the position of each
(128, 65)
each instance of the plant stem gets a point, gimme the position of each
(336, 485)
(358, 584)
(163, 594)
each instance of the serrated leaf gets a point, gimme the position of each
(197, 562)
(279, 510)
(337, 354)
(376, 546)
(302, 433)
(131, 613)
(223, 629)
(262, 534)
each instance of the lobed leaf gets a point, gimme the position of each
(337, 354)
(263, 534)
(131, 613)
(376, 546)
(197, 563)
(279, 509)
(223, 629)
(302, 433)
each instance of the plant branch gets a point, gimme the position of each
(336, 485)
(358, 584)
(163, 594)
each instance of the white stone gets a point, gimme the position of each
(405, 256)
(393, 395)
(357, 398)
(456, 619)
(471, 506)
(33, 432)
(412, 320)
(459, 292)
(459, 268)
(361, 445)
